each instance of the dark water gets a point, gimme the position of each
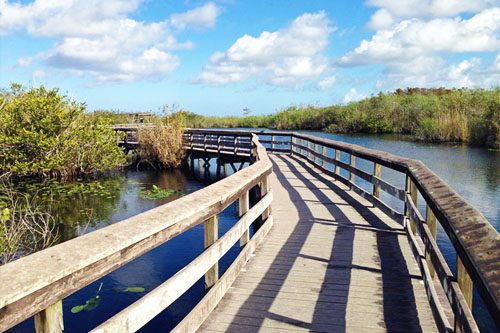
(473, 172)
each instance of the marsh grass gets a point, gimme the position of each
(470, 116)
(160, 146)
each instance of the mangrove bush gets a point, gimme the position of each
(46, 134)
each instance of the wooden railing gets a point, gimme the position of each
(476, 242)
(36, 284)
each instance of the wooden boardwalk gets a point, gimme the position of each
(331, 263)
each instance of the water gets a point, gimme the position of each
(473, 172)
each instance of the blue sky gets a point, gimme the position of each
(218, 57)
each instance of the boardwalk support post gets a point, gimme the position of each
(294, 145)
(323, 160)
(243, 208)
(411, 188)
(50, 320)
(337, 158)
(211, 236)
(430, 219)
(377, 168)
(352, 163)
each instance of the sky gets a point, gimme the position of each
(219, 57)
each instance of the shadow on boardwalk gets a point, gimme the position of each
(332, 304)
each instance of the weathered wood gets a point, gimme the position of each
(309, 149)
(201, 311)
(377, 168)
(316, 150)
(323, 155)
(464, 281)
(211, 235)
(337, 158)
(50, 320)
(430, 219)
(412, 191)
(307, 274)
(149, 306)
(352, 163)
(264, 189)
(243, 205)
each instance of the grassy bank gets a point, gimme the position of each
(470, 116)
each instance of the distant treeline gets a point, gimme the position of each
(469, 116)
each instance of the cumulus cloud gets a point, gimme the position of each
(435, 72)
(327, 82)
(98, 38)
(284, 57)
(413, 38)
(392, 11)
(353, 95)
(200, 17)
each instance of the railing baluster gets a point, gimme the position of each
(211, 236)
(264, 189)
(337, 158)
(352, 163)
(464, 281)
(411, 188)
(272, 142)
(50, 320)
(316, 150)
(430, 219)
(309, 149)
(294, 143)
(323, 161)
(243, 208)
(377, 169)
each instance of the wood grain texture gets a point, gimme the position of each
(332, 262)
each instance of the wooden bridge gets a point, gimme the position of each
(320, 251)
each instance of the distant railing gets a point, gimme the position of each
(36, 284)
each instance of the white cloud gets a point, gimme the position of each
(327, 83)
(424, 8)
(415, 38)
(98, 38)
(353, 95)
(200, 17)
(284, 57)
(381, 19)
(434, 72)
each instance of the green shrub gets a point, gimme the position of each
(45, 134)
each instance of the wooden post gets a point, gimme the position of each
(272, 142)
(50, 320)
(211, 236)
(431, 223)
(337, 158)
(200, 167)
(376, 172)
(264, 189)
(316, 150)
(411, 188)
(204, 142)
(352, 163)
(309, 149)
(294, 143)
(323, 161)
(243, 208)
(464, 281)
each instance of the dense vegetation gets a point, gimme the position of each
(45, 134)
(469, 116)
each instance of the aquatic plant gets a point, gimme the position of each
(156, 193)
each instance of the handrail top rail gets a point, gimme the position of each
(33, 274)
